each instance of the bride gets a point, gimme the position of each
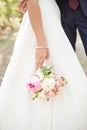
(41, 38)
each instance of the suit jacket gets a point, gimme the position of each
(64, 5)
(83, 4)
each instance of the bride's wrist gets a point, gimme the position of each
(42, 46)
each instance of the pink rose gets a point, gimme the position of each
(59, 81)
(51, 94)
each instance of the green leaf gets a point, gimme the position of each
(46, 71)
(35, 96)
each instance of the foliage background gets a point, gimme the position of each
(9, 14)
(10, 19)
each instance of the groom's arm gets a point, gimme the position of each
(22, 6)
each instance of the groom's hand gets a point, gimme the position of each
(22, 6)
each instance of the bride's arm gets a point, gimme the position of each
(36, 22)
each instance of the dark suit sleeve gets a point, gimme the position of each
(59, 2)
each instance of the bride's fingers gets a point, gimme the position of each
(47, 55)
(39, 63)
(25, 8)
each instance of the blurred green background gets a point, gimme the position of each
(10, 19)
(9, 14)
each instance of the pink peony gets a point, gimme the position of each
(34, 84)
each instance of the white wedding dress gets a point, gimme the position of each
(67, 111)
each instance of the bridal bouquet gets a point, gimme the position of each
(45, 84)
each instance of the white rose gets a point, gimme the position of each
(52, 83)
(45, 84)
(48, 84)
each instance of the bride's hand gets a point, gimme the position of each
(41, 55)
(22, 6)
